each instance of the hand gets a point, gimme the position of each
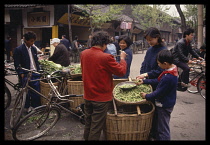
(142, 76)
(122, 55)
(143, 95)
(200, 58)
(190, 61)
(139, 81)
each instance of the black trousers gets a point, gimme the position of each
(95, 119)
(184, 77)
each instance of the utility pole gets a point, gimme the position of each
(69, 22)
(200, 25)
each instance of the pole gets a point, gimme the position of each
(69, 22)
(200, 25)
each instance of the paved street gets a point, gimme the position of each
(188, 120)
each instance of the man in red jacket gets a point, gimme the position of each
(97, 70)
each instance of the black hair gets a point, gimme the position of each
(127, 40)
(64, 36)
(154, 33)
(75, 37)
(165, 55)
(30, 35)
(187, 32)
(100, 38)
(203, 47)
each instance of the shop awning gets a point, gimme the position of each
(75, 20)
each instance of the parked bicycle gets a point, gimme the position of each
(9, 71)
(40, 120)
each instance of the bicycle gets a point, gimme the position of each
(197, 78)
(8, 71)
(40, 120)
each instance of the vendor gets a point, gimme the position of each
(60, 55)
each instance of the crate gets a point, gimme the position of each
(130, 122)
(45, 89)
(77, 88)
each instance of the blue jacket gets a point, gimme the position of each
(165, 93)
(21, 58)
(149, 65)
(128, 60)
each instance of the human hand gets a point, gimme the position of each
(143, 95)
(190, 61)
(139, 81)
(122, 55)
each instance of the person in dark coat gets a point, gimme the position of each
(25, 56)
(180, 53)
(124, 43)
(65, 42)
(7, 47)
(60, 55)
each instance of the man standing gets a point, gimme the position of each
(97, 70)
(60, 55)
(7, 46)
(180, 54)
(25, 56)
(65, 42)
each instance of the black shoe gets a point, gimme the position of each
(182, 89)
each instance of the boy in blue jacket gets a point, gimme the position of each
(164, 95)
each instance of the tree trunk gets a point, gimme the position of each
(184, 26)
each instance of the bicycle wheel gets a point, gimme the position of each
(7, 98)
(18, 108)
(193, 80)
(202, 86)
(36, 123)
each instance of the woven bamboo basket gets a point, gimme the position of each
(130, 125)
(117, 81)
(45, 89)
(75, 87)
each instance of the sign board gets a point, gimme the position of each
(75, 20)
(38, 19)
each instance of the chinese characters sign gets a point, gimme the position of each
(39, 19)
(75, 20)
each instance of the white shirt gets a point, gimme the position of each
(32, 62)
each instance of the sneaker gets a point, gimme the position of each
(185, 85)
(183, 89)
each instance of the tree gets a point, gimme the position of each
(100, 14)
(148, 16)
(183, 25)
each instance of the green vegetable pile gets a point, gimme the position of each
(49, 66)
(132, 95)
(76, 69)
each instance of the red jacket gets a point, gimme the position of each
(97, 70)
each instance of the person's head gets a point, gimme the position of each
(55, 42)
(29, 38)
(63, 36)
(153, 37)
(100, 39)
(163, 39)
(165, 59)
(8, 37)
(124, 41)
(90, 36)
(75, 37)
(188, 34)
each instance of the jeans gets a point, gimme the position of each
(95, 119)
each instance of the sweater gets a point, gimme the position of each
(165, 93)
(150, 65)
(97, 70)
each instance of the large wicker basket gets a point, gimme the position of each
(45, 89)
(130, 125)
(75, 87)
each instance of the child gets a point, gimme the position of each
(165, 93)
